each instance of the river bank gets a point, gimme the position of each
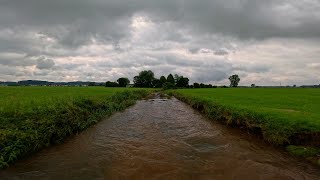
(275, 115)
(32, 118)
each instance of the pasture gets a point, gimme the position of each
(34, 117)
(280, 115)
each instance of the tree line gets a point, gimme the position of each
(146, 79)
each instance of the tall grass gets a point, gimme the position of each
(35, 117)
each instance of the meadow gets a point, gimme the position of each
(32, 118)
(282, 116)
(35, 117)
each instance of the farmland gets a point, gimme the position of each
(34, 117)
(281, 115)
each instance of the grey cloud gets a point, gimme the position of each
(72, 22)
(179, 61)
(177, 36)
(43, 63)
(252, 68)
(194, 50)
(75, 22)
(206, 51)
(15, 59)
(41, 73)
(209, 75)
(255, 19)
(314, 66)
(70, 66)
(212, 72)
(221, 52)
(9, 71)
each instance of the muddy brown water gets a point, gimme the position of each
(160, 139)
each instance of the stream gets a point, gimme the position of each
(160, 138)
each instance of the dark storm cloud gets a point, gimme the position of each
(255, 18)
(75, 22)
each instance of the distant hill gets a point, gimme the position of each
(47, 83)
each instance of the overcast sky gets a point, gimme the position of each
(263, 41)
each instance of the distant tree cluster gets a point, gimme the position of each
(146, 79)
(201, 85)
(121, 82)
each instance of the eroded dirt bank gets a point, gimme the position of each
(161, 139)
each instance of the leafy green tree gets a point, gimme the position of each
(196, 85)
(156, 83)
(176, 77)
(234, 80)
(182, 81)
(144, 79)
(112, 84)
(162, 80)
(123, 82)
(170, 79)
(168, 85)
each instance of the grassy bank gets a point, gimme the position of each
(34, 117)
(280, 116)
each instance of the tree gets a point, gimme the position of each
(176, 77)
(196, 85)
(162, 80)
(181, 81)
(123, 82)
(168, 85)
(144, 79)
(112, 84)
(170, 79)
(156, 83)
(253, 85)
(234, 80)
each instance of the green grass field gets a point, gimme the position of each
(22, 99)
(34, 117)
(283, 115)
